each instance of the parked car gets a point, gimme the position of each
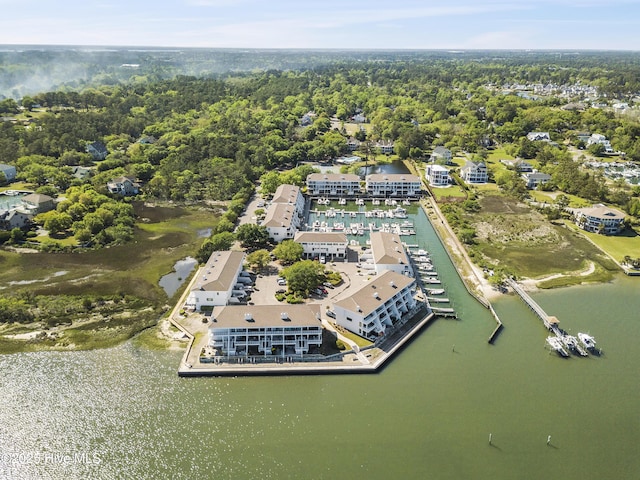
(280, 291)
(331, 314)
(282, 282)
(328, 285)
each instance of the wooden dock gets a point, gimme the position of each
(549, 321)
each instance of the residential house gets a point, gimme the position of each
(97, 150)
(539, 136)
(330, 245)
(333, 184)
(474, 172)
(215, 282)
(393, 185)
(441, 155)
(267, 330)
(10, 219)
(378, 305)
(81, 173)
(519, 165)
(9, 172)
(534, 179)
(388, 253)
(600, 219)
(38, 203)
(353, 144)
(437, 175)
(385, 146)
(598, 139)
(124, 186)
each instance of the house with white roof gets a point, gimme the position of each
(393, 185)
(333, 184)
(269, 330)
(437, 175)
(474, 172)
(539, 136)
(331, 245)
(378, 305)
(600, 219)
(215, 282)
(599, 139)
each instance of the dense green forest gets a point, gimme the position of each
(194, 139)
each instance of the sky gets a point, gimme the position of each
(347, 24)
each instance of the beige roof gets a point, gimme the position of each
(600, 211)
(392, 177)
(219, 273)
(37, 198)
(267, 316)
(279, 215)
(375, 293)
(387, 249)
(333, 177)
(317, 237)
(286, 194)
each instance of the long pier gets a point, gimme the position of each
(550, 322)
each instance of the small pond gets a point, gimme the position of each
(172, 281)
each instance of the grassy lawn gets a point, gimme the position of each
(452, 191)
(618, 246)
(18, 186)
(487, 188)
(357, 339)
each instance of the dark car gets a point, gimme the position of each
(282, 290)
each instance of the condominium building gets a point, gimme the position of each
(291, 195)
(266, 330)
(378, 305)
(393, 185)
(333, 184)
(388, 253)
(600, 219)
(437, 175)
(282, 221)
(330, 245)
(216, 280)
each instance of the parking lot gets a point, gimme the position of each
(353, 277)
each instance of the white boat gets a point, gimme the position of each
(587, 340)
(556, 344)
(422, 252)
(435, 291)
(342, 201)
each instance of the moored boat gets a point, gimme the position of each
(556, 344)
(587, 340)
